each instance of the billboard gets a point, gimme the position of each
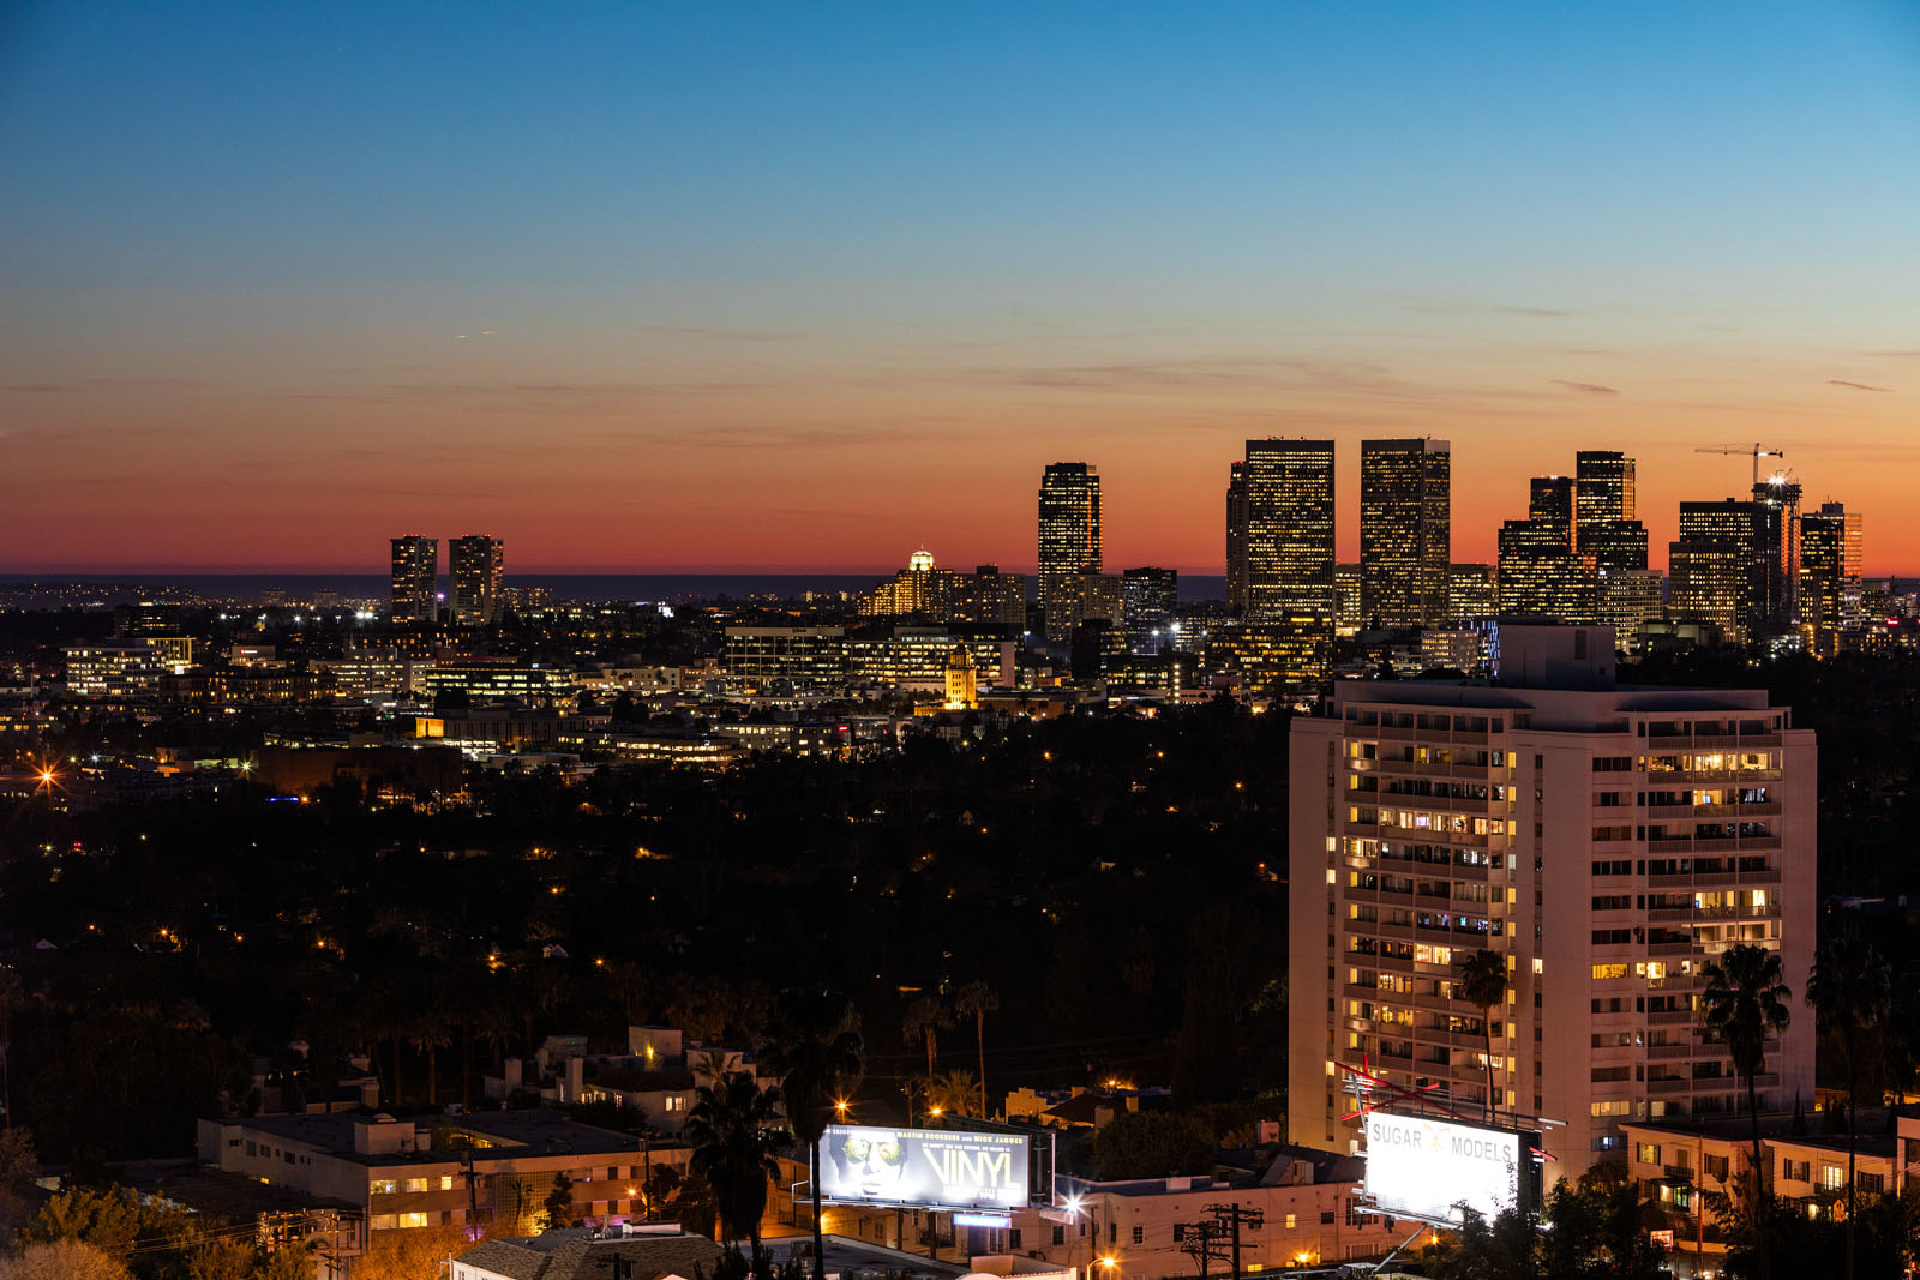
(936, 1168)
(1432, 1169)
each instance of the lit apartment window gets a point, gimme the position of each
(416, 1184)
(385, 1187)
(413, 1219)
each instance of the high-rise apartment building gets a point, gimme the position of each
(1830, 565)
(477, 564)
(1608, 843)
(1406, 523)
(1237, 538)
(1069, 540)
(416, 576)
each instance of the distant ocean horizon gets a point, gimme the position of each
(566, 587)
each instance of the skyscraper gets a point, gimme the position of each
(1776, 556)
(416, 571)
(1542, 575)
(1710, 566)
(1830, 586)
(478, 566)
(1607, 842)
(1149, 602)
(1406, 526)
(1289, 528)
(1605, 481)
(1550, 506)
(1237, 538)
(1069, 540)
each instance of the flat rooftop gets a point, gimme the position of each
(532, 1132)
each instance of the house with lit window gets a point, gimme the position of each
(1674, 1164)
(491, 1170)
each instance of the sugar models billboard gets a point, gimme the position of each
(940, 1168)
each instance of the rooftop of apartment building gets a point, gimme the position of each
(1268, 1165)
(1566, 673)
(573, 1253)
(1874, 1138)
(377, 1140)
(215, 1195)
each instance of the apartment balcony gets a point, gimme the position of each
(1669, 1017)
(1682, 948)
(1666, 1052)
(1681, 1085)
(1725, 742)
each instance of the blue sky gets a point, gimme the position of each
(1053, 229)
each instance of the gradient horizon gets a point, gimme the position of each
(784, 288)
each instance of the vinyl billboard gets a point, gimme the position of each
(935, 1168)
(1434, 1169)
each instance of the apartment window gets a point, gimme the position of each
(385, 1187)
(1013, 1238)
(1796, 1170)
(1602, 1075)
(1326, 1217)
(1602, 972)
(1139, 1235)
(446, 1182)
(1873, 1184)
(1611, 937)
(1612, 901)
(1291, 1222)
(1716, 1167)
(253, 1148)
(1059, 1233)
(1621, 1108)
(416, 1184)
(381, 1222)
(1612, 764)
(1832, 1177)
(1646, 1152)
(413, 1219)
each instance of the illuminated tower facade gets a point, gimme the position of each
(1237, 538)
(1830, 586)
(416, 570)
(1289, 528)
(478, 566)
(1069, 540)
(1406, 524)
(1710, 567)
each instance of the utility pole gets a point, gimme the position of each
(1201, 1242)
(1233, 1217)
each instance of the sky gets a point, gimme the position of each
(809, 286)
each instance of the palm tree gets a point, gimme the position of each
(736, 1133)
(1483, 982)
(926, 1018)
(814, 1046)
(954, 1093)
(1744, 1002)
(426, 1032)
(1851, 989)
(977, 1000)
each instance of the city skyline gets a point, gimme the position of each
(578, 281)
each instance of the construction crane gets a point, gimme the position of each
(1755, 452)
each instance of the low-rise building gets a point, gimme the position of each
(492, 1170)
(656, 1251)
